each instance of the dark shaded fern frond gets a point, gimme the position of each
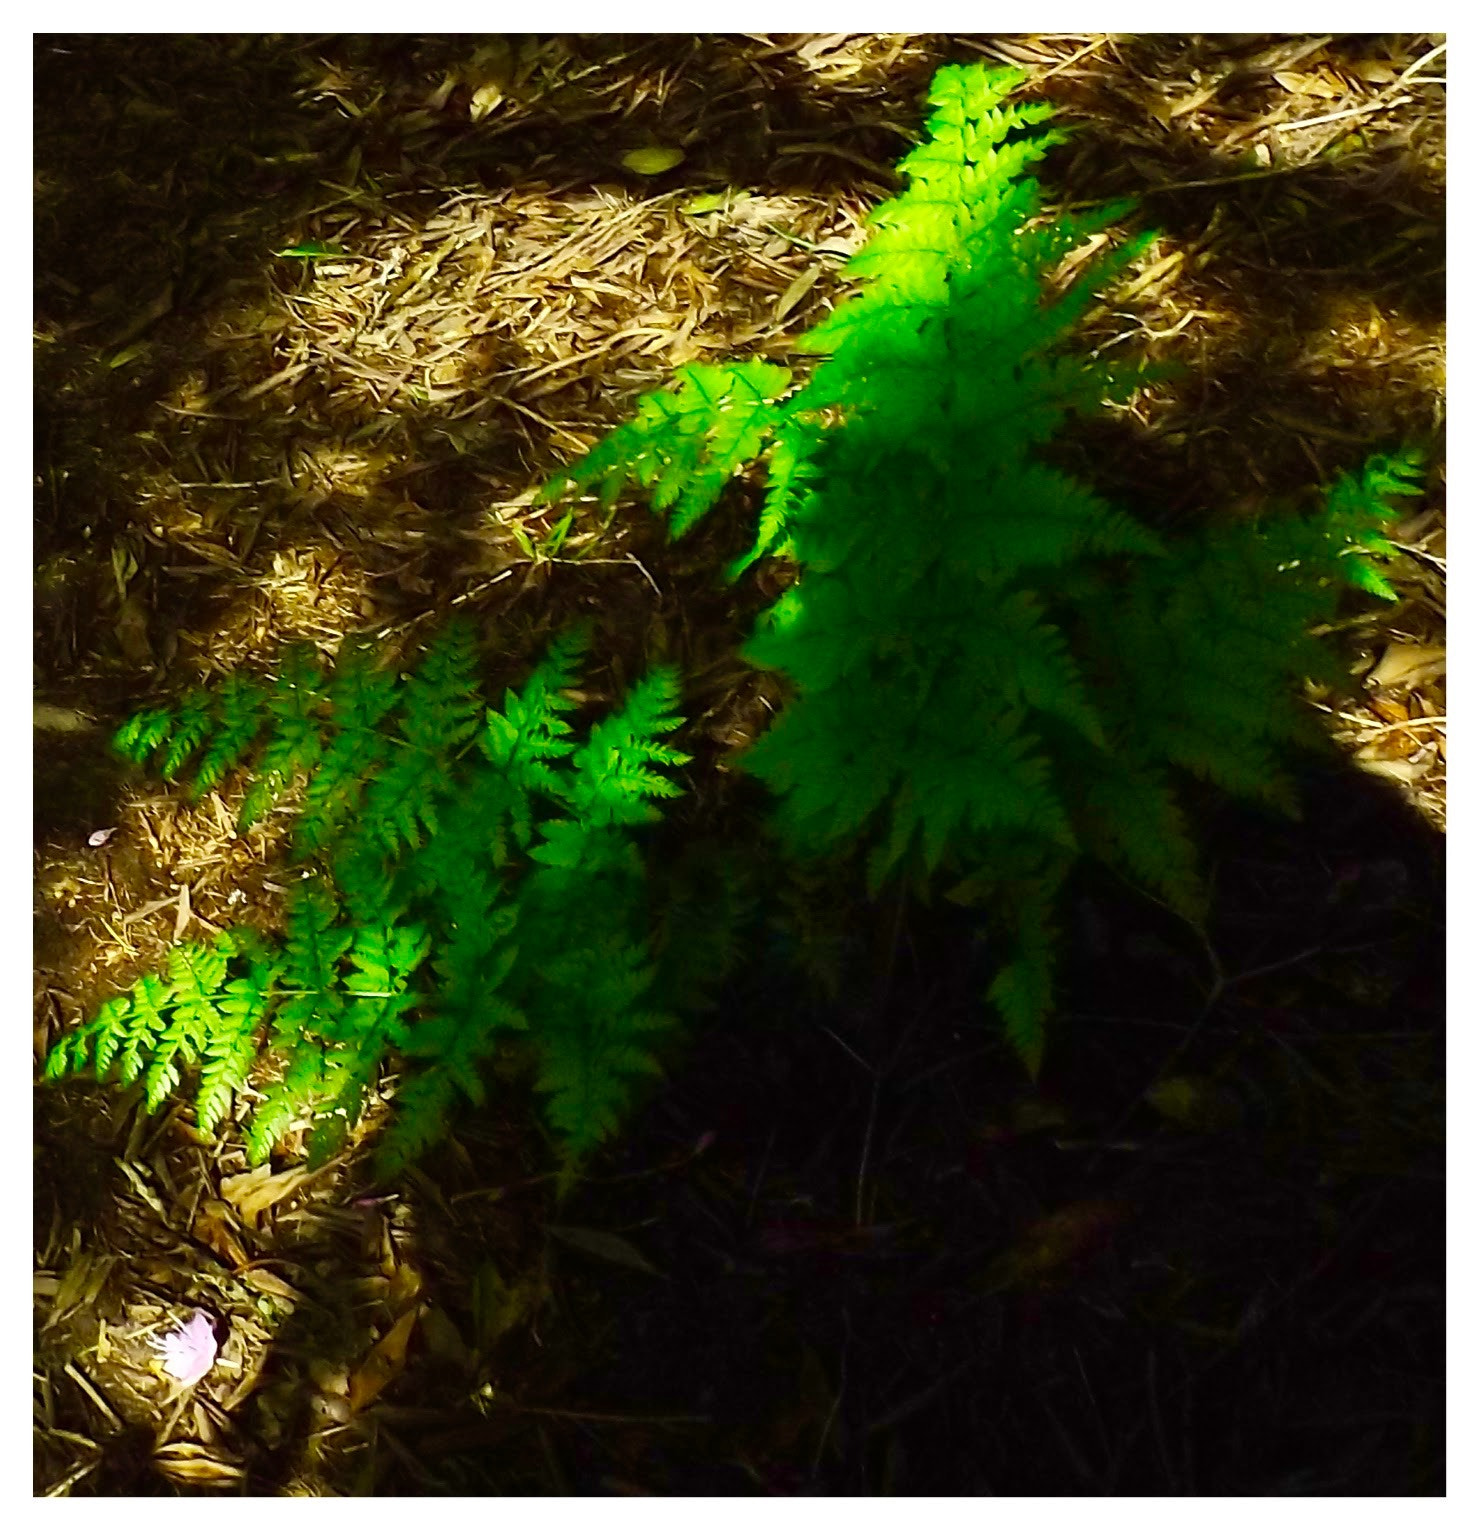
(595, 1042)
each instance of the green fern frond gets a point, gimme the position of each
(315, 943)
(369, 883)
(399, 941)
(192, 723)
(348, 1075)
(196, 979)
(791, 472)
(591, 1057)
(705, 907)
(685, 444)
(424, 1108)
(458, 1043)
(241, 713)
(232, 1044)
(530, 736)
(1022, 993)
(294, 716)
(982, 653)
(313, 946)
(143, 733)
(1358, 508)
(614, 774)
(360, 699)
(143, 1024)
(1126, 814)
(291, 1098)
(440, 711)
(334, 795)
(94, 1044)
(363, 693)
(440, 706)
(384, 961)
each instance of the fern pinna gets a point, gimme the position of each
(994, 671)
(470, 876)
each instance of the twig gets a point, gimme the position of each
(92, 1394)
(1345, 116)
(73, 1477)
(580, 1416)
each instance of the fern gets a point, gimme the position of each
(596, 1040)
(705, 902)
(191, 724)
(438, 715)
(614, 774)
(296, 739)
(360, 699)
(524, 741)
(471, 881)
(231, 1043)
(685, 445)
(240, 718)
(994, 671)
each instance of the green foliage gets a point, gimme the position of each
(470, 878)
(685, 445)
(994, 671)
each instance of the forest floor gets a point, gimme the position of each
(315, 318)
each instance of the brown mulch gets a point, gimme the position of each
(314, 319)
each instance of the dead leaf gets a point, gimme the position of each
(444, 1341)
(131, 627)
(383, 1363)
(603, 1245)
(1395, 770)
(50, 719)
(1055, 1241)
(1195, 1103)
(1390, 711)
(405, 1287)
(1374, 71)
(1408, 664)
(498, 1307)
(184, 1461)
(1321, 86)
(796, 291)
(84, 1279)
(484, 99)
(248, 1383)
(812, 50)
(270, 1285)
(213, 1227)
(161, 304)
(259, 1190)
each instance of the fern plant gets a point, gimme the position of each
(470, 877)
(994, 672)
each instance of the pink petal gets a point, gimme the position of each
(190, 1351)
